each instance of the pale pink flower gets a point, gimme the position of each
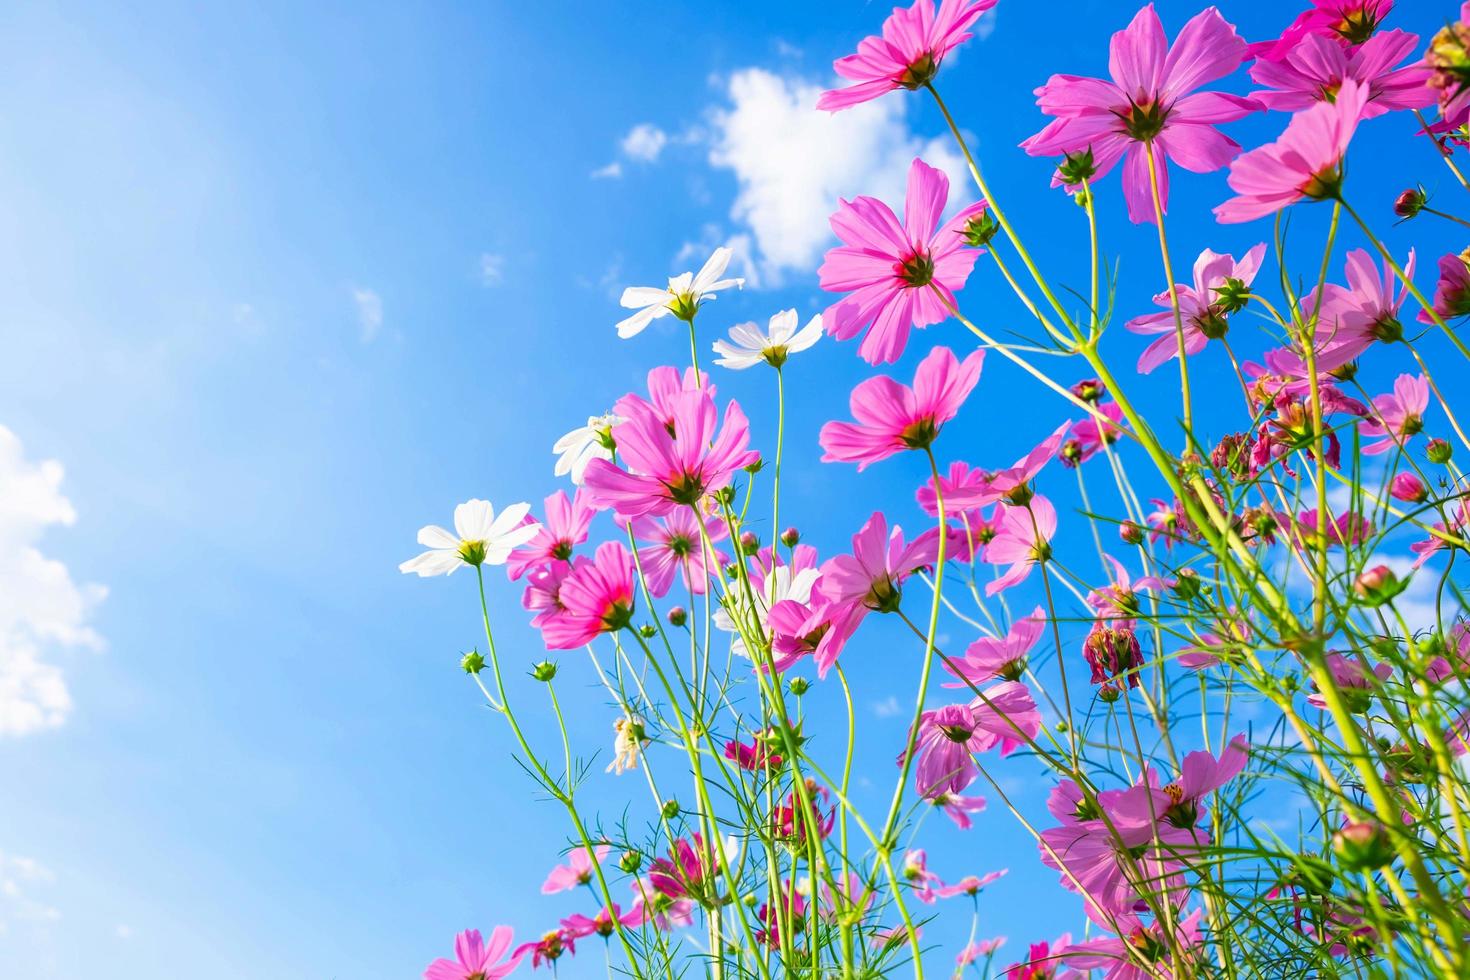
(1004, 484)
(567, 521)
(578, 870)
(979, 950)
(604, 924)
(1347, 22)
(665, 913)
(1351, 318)
(1356, 680)
(1397, 417)
(901, 276)
(476, 959)
(1151, 100)
(1115, 955)
(971, 885)
(672, 464)
(892, 417)
(920, 879)
(595, 598)
(1022, 540)
(1180, 803)
(1306, 162)
(991, 657)
(948, 739)
(1200, 310)
(1316, 68)
(677, 550)
(908, 53)
(958, 808)
(1459, 519)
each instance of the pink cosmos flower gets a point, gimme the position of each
(818, 628)
(900, 276)
(1093, 433)
(475, 959)
(999, 657)
(1115, 955)
(578, 870)
(688, 872)
(790, 909)
(549, 948)
(847, 895)
(1009, 484)
(664, 912)
(1351, 318)
(1347, 22)
(1179, 802)
(1397, 417)
(958, 808)
(980, 950)
(1339, 530)
(1200, 308)
(1150, 100)
(753, 757)
(909, 52)
(1004, 717)
(565, 527)
(872, 576)
(1452, 290)
(1306, 162)
(961, 483)
(892, 417)
(1042, 961)
(672, 464)
(1315, 69)
(1119, 600)
(1355, 680)
(595, 598)
(971, 885)
(604, 924)
(1459, 519)
(665, 384)
(1022, 540)
(678, 550)
(920, 879)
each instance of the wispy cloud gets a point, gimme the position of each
(20, 878)
(887, 708)
(369, 313)
(41, 607)
(612, 171)
(492, 269)
(645, 142)
(791, 163)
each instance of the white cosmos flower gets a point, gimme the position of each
(582, 445)
(780, 585)
(747, 346)
(480, 538)
(682, 298)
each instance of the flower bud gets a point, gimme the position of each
(1077, 167)
(472, 662)
(732, 571)
(749, 543)
(790, 537)
(1070, 454)
(1410, 203)
(1362, 846)
(1438, 451)
(1409, 488)
(544, 671)
(1188, 585)
(799, 686)
(980, 229)
(670, 809)
(648, 631)
(1130, 532)
(1378, 585)
(1090, 390)
(756, 467)
(630, 862)
(677, 616)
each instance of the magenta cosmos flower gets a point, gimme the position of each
(1117, 956)
(675, 463)
(1347, 22)
(999, 657)
(892, 417)
(475, 959)
(1306, 162)
(578, 870)
(1315, 69)
(900, 275)
(1398, 416)
(908, 54)
(676, 549)
(567, 520)
(595, 598)
(872, 576)
(1452, 291)
(1351, 318)
(1200, 307)
(1150, 100)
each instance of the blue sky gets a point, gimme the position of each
(280, 285)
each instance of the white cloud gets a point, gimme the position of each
(692, 255)
(41, 608)
(985, 26)
(791, 162)
(645, 142)
(612, 171)
(369, 313)
(887, 708)
(492, 269)
(123, 932)
(19, 877)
